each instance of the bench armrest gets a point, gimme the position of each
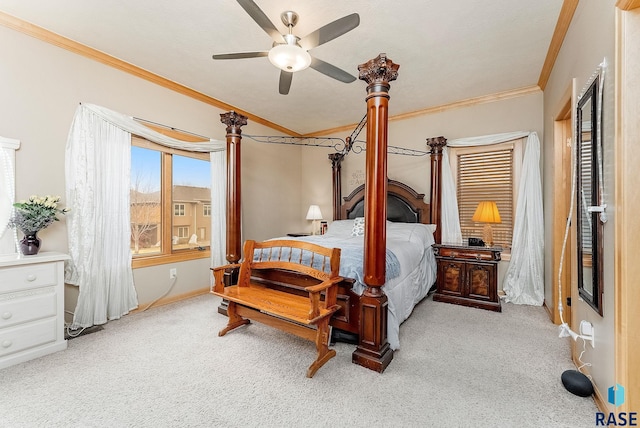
(329, 298)
(229, 266)
(323, 285)
(218, 276)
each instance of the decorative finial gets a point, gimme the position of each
(378, 70)
(233, 120)
(436, 143)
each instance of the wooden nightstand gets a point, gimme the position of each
(468, 276)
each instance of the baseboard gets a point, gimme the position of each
(172, 299)
(548, 310)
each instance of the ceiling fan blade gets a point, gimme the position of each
(240, 55)
(330, 31)
(331, 70)
(285, 82)
(261, 19)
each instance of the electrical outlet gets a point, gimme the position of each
(173, 272)
(587, 329)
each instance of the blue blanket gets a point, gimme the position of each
(351, 256)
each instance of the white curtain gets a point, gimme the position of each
(218, 209)
(8, 238)
(97, 171)
(98, 159)
(129, 124)
(523, 282)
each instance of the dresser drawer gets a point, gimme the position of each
(25, 336)
(25, 277)
(27, 307)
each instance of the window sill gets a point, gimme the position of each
(170, 258)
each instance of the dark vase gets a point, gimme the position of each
(30, 244)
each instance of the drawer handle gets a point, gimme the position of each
(6, 315)
(6, 343)
(31, 277)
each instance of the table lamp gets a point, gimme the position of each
(315, 215)
(487, 213)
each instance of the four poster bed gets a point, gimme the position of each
(410, 260)
(394, 215)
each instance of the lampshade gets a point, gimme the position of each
(289, 57)
(314, 213)
(487, 212)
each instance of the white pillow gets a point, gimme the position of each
(358, 227)
(340, 228)
(412, 232)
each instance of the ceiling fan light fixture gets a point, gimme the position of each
(289, 57)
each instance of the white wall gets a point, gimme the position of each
(41, 86)
(589, 40)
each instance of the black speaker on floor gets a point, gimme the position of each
(577, 383)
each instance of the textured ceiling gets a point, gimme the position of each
(448, 50)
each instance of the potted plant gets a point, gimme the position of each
(33, 215)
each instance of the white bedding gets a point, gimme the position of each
(411, 244)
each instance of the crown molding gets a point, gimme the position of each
(498, 96)
(52, 38)
(560, 32)
(628, 4)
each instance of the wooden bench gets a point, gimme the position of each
(306, 316)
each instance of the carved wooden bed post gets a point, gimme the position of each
(373, 349)
(336, 168)
(234, 122)
(437, 145)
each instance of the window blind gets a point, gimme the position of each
(486, 176)
(586, 168)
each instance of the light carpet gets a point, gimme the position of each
(166, 367)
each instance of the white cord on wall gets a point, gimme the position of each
(173, 282)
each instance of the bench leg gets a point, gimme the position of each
(235, 320)
(322, 345)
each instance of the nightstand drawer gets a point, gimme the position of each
(28, 308)
(16, 339)
(25, 277)
(466, 253)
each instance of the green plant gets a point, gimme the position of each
(36, 213)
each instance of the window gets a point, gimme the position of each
(487, 173)
(183, 231)
(169, 192)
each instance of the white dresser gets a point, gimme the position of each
(31, 306)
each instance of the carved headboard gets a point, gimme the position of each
(403, 204)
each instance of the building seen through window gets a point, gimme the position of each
(170, 201)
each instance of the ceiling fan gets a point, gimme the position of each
(290, 52)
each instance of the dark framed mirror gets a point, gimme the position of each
(589, 190)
